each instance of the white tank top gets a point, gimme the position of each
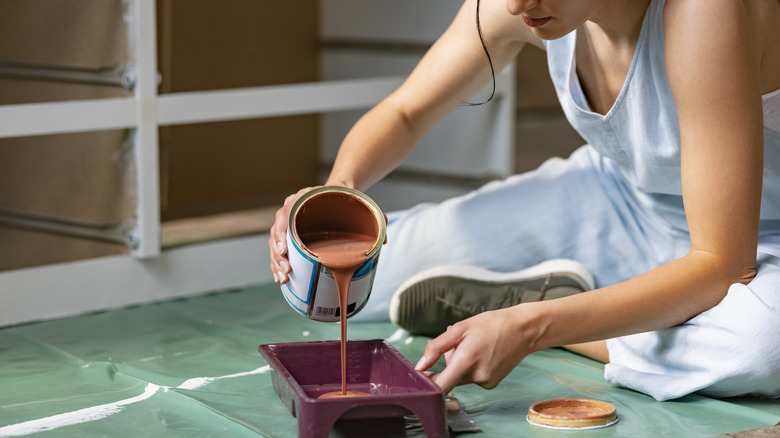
(772, 110)
(640, 133)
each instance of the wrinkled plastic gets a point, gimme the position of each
(191, 368)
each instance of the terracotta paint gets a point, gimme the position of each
(572, 414)
(342, 254)
(340, 231)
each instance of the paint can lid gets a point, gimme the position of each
(572, 414)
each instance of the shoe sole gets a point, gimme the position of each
(563, 277)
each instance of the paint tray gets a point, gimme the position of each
(302, 371)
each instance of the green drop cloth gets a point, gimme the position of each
(191, 368)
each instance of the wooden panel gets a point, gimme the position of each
(211, 168)
(535, 90)
(83, 34)
(767, 432)
(217, 167)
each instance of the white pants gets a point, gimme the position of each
(583, 209)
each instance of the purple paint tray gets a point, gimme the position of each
(302, 371)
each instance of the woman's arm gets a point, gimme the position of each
(714, 70)
(450, 73)
(452, 70)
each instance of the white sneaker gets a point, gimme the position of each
(430, 301)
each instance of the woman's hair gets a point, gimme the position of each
(490, 62)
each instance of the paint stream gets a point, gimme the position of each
(342, 253)
(99, 412)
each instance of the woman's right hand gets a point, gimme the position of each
(277, 243)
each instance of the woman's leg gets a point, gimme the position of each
(578, 208)
(596, 350)
(730, 350)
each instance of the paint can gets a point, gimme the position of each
(311, 289)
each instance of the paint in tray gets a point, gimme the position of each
(302, 371)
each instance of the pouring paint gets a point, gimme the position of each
(342, 254)
(338, 232)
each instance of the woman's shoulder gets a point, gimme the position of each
(760, 17)
(743, 31)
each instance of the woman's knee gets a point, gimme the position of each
(750, 336)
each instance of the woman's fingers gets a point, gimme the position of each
(477, 350)
(277, 242)
(445, 344)
(437, 347)
(278, 247)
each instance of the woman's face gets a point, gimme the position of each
(552, 19)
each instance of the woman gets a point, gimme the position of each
(674, 204)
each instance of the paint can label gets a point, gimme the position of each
(311, 289)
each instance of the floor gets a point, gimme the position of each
(191, 368)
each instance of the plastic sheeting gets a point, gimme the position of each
(191, 368)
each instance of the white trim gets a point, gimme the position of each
(193, 107)
(90, 285)
(273, 100)
(505, 129)
(65, 117)
(145, 239)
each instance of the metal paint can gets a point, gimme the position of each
(311, 289)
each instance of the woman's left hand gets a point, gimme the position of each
(482, 349)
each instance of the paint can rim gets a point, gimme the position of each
(360, 196)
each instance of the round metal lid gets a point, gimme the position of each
(572, 413)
